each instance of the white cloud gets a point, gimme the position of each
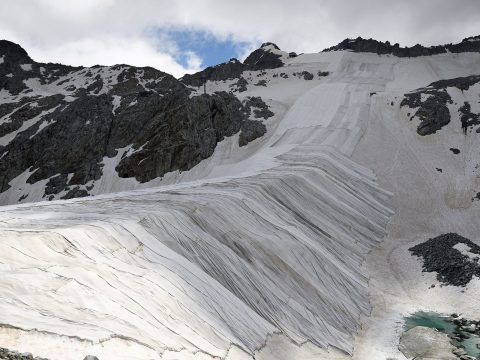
(120, 31)
(114, 50)
(193, 60)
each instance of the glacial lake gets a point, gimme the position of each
(440, 322)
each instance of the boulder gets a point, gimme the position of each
(423, 343)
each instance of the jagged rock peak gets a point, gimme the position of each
(267, 56)
(268, 45)
(12, 52)
(472, 38)
(470, 44)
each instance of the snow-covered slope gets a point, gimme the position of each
(258, 251)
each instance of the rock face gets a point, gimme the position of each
(453, 257)
(178, 137)
(431, 104)
(229, 70)
(61, 127)
(470, 44)
(422, 343)
(251, 130)
(268, 56)
(6, 354)
(58, 123)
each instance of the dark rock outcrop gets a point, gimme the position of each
(468, 118)
(251, 130)
(432, 112)
(431, 104)
(260, 59)
(471, 44)
(305, 75)
(6, 354)
(65, 137)
(452, 267)
(17, 67)
(225, 71)
(263, 58)
(240, 85)
(178, 137)
(461, 83)
(259, 107)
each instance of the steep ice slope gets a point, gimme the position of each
(260, 254)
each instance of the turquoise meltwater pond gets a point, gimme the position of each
(443, 323)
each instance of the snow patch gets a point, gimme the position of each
(26, 67)
(43, 125)
(6, 139)
(116, 100)
(465, 250)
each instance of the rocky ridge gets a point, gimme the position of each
(268, 56)
(6, 354)
(470, 44)
(431, 105)
(59, 123)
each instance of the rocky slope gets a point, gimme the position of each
(59, 123)
(68, 132)
(470, 44)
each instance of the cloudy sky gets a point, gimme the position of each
(179, 36)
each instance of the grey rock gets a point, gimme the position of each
(260, 108)
(179, 137)
(370, 45)
(175, 131)
(433, 111)
(251, 130)
(306, 75)
(241, 84)
(459, 352)
(452, 267)
(261, 83)
(6, 354)
(422, 343)
(262, 59)
(468, 118)
(56, 184)
(259, 59)
(76, 192)
(229, 70)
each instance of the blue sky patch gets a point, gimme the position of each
(210, 49)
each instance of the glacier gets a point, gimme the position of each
(278, 250)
